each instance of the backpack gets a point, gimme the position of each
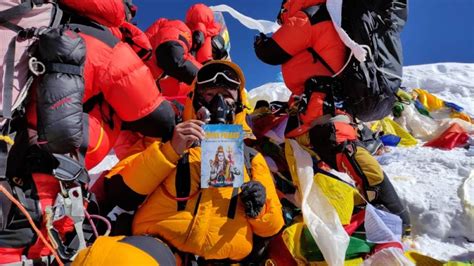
(20, 22)
(368, 88)
(30, 29)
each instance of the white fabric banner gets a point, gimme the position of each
(318, 213)
(335, 11)
(264, 26)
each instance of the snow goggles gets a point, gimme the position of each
(218, 75)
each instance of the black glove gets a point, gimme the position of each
(198, 40)
(259, 38)
(253, 196)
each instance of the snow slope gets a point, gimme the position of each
(429, 181)
(432, 183)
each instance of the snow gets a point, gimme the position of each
(436, 186)
(275, 91)
(431, 181)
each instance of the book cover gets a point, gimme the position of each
(222, 157)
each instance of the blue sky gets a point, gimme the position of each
(437, 31)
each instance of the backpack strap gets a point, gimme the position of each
(233, 203)
(4, 150)
(317, 57)
(18, 11)
(97, 31)
(5, 204)
(249, 154)
(183, 181)
(317, 14)
(81, 24)
(8, 87)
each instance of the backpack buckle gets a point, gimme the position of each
(36, 66)
(26, 34)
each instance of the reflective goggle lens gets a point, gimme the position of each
(214, 75)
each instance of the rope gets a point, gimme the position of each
(373, 60)
(32, 223)
(89, 218)
(103, 219)
(345, 65)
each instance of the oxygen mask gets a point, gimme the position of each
(217, 111)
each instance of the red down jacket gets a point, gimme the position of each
(172, 63)
(137, 39)
(109, 13)
(303, 30)
(119, 87)
(200, 20)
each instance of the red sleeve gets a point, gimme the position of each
(294, 36)
(128, 85)
(315, 107)
(137, 40)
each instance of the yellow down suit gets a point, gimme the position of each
(197, 222)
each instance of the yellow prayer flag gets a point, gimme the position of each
(339, 194)
(388, 126)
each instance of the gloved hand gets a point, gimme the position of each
(253, 196)
(198, 40)
(259, 38)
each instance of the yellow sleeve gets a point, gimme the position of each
(270, 221)
(144, 171)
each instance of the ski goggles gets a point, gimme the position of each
(218, 75)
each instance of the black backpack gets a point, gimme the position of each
(368, 88)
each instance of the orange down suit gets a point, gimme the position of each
(307, 34)
(292, 46)
(201, 225)
(290, 43)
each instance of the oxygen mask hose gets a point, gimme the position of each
(30, 220)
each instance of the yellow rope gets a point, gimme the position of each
(7, 139)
